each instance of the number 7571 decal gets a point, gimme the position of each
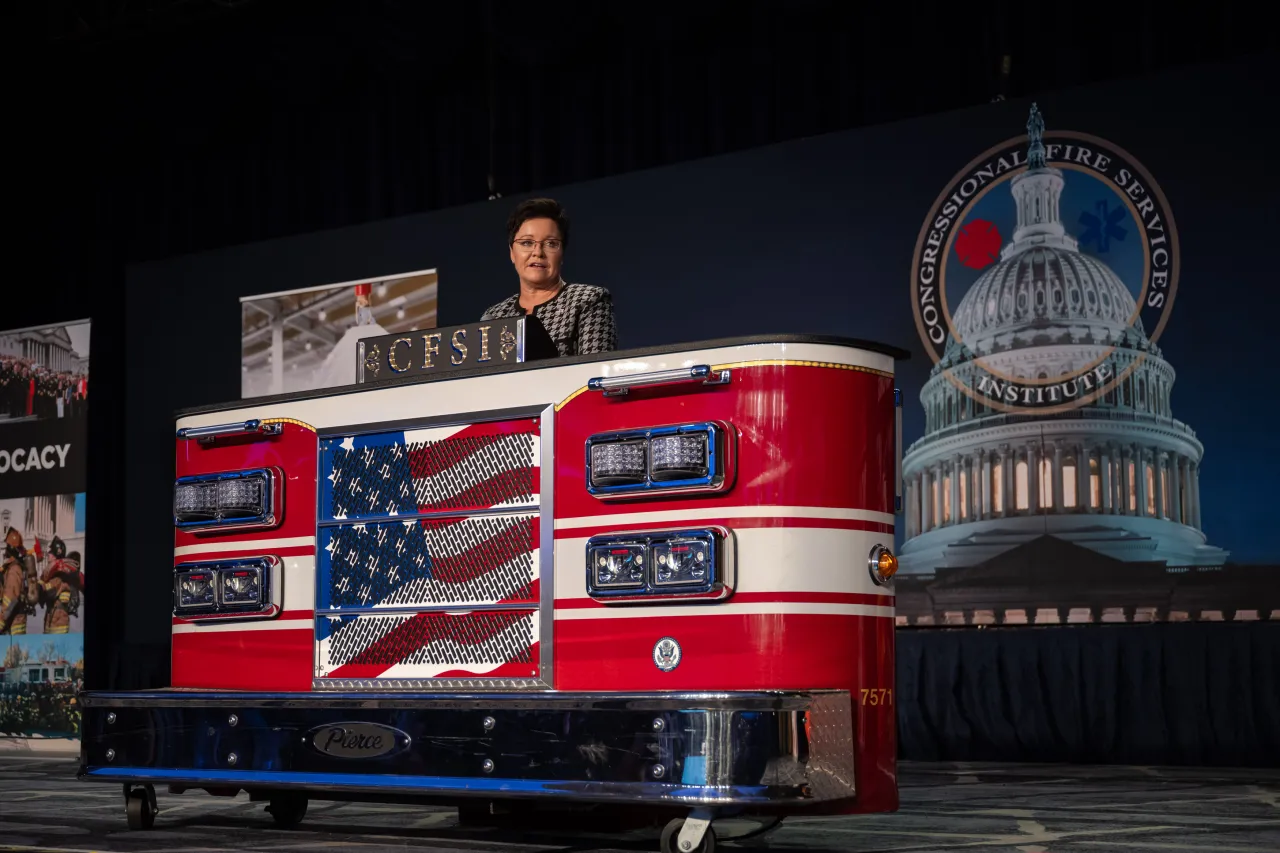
(874, 696)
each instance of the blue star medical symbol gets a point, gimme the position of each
(1104, 227)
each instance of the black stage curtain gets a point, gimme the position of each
(1172, 694)
(279, 117)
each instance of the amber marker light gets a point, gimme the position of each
(883, 564)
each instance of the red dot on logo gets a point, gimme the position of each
(978, 244)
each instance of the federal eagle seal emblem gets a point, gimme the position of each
(666, 654)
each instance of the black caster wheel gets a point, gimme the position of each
(671, 838)
(287, 810)
(140, 809)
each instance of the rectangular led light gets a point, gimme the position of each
(195, 590)
(662, 460)
(683, 562)
(618, 565)
(234, 500)
(658, 566)
(681, 456)
(240, 587)
(225, 587)
(618, 463)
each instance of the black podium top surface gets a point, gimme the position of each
(643, 352)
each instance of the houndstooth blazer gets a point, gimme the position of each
(579, 318)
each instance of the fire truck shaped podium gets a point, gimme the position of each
(655, 582)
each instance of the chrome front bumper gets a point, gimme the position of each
(713, 749)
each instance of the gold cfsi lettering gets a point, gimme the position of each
(508, 343)
(391, 355)
(459, 348)
(431, 346)
(484, 344)
(373, 360)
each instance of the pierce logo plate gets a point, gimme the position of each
(358, 740)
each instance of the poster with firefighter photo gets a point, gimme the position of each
(44, 385)
(299, 340)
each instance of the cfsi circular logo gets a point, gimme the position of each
(1044, 272)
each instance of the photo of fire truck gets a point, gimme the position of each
(657, 582)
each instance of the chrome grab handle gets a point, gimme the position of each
(209, 433)
(897, 417)
(616, 386)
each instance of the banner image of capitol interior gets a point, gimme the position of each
(44, 377)
(298, 340)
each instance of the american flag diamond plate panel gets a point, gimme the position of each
(483, 643)
(487, 559)
(444, 469)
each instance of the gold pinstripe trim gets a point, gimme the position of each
(567, 400)
(302, 424)
(767, 362)
(798, 363)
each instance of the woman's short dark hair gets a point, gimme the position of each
(538, 208)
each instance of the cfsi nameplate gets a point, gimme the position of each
(426, 353)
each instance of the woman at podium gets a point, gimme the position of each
(578, 317)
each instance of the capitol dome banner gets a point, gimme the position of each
(997, 267)
(1055, 480)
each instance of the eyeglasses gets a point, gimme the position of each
(551, 244)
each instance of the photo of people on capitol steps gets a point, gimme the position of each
(44, 373)
(42, 524)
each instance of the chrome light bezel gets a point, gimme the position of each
(607, 544)
(272, 510)
(179, 574)
(718, 585)
(873, 565)
(269, 603)
(721, 441)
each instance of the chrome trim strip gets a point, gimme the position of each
(320, 511)
(430, 421)
(457, 609)
(547, 546)
(428, 685)
(522, 509)
(760, 700)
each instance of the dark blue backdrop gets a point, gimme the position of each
(809, 236)
(817, 236)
